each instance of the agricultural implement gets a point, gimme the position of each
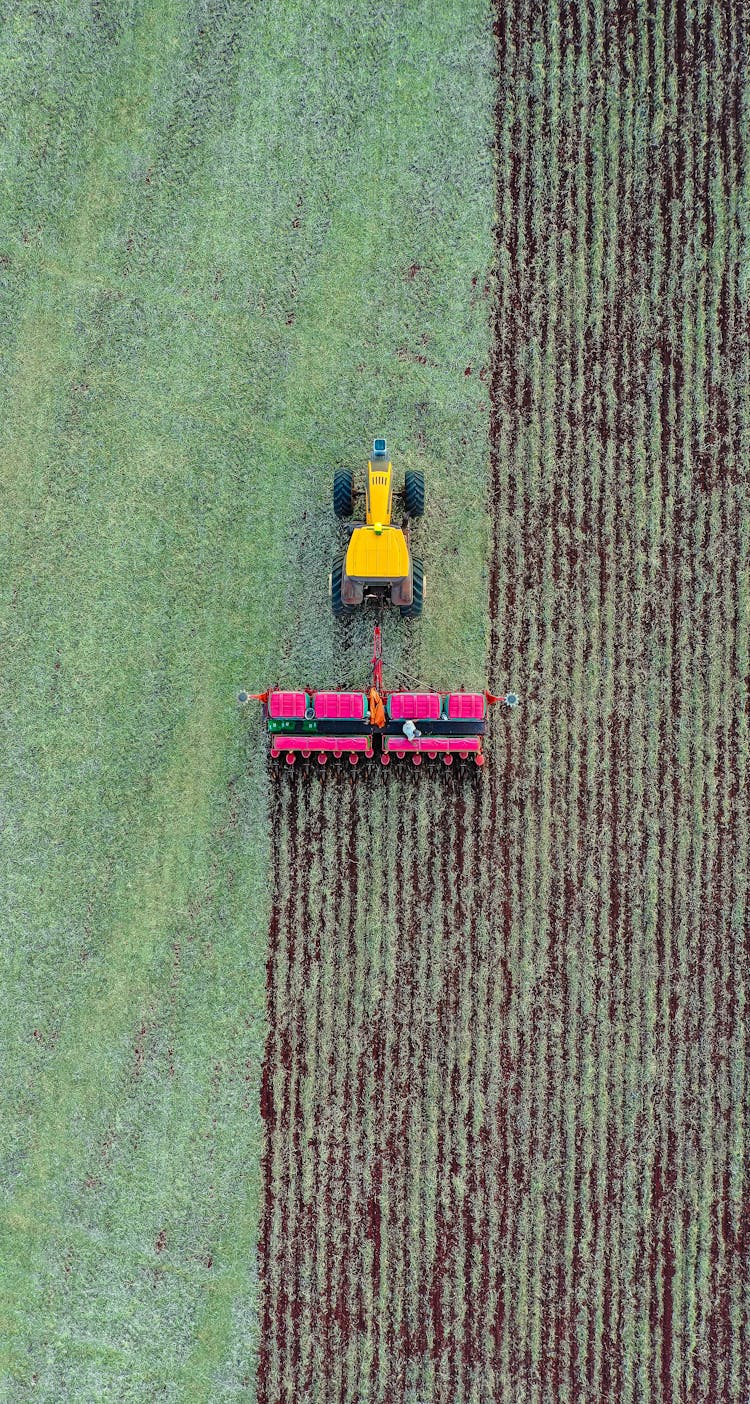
(415, 724)
(378, 564)
(389, 725)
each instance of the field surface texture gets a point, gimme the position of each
(236, 242)
(506, 1083)
(409, 1087)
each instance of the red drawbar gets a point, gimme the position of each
(340, 706)
(464, 706)
(414, 706)
(287, 704)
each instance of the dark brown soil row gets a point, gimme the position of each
(345, 1307)
(268, 1323)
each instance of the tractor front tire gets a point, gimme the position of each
(414, 610)
(340, 610)
(414, 493)
(343, 492)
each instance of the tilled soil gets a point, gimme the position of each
(505, 1088)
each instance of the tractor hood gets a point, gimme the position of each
(379, 494)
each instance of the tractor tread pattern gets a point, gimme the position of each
(414, 493)
(343, 492)
(414, 610)
(340, 610)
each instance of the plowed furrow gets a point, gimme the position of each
(506, 1155)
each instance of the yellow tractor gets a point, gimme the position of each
(378, 564)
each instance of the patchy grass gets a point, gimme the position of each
(233, 247)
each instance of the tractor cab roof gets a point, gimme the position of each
(377, 555)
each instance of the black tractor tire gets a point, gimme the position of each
(343, 492)
(414, 610)
(337, 570)
(414, 493)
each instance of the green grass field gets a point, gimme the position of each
(235, 243)
(495, 1022)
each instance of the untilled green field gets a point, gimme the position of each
(235, 243)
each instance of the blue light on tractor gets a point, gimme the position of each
(378, 448)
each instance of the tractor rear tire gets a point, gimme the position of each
(414, 610)
(414, 493)
(343, 492)
(340, 610)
